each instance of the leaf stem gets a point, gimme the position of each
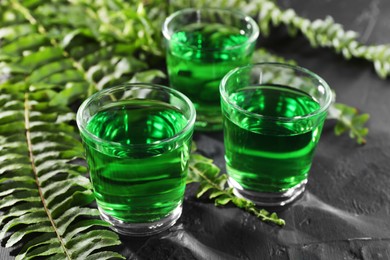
(247, 205)
(34, 169)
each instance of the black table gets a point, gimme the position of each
(345, 212)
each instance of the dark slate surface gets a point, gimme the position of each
(345, 213)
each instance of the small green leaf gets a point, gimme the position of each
(207, 174)
(22, 209)
(18, 235)
(29, 218)
(340, 128)
(36, 242)
(84, 244)
(81, 198)
(223, 200)
(42, 57)
(27, 42)
(80, 226)
(25, 186)
(13, 31)
(203, 189)
(349, 120)
(71, 214)
(39, 74)
(216, 193)
(104, 255)
(21, 196)
(209, 170)
(13, 69)
(72, 92)
(360, 119)
(46, 250)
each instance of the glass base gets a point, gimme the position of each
(270, 199)
(142, 229)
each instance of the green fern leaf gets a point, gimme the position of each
(36, 242)
(54, 248)
(84, 244)
(42, 192)
(83, 225)
(75, 61)
(104, 256)
(41, 227)
(203, 171)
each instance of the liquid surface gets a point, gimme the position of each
(138, 185)
(267, 155)
(199, 56)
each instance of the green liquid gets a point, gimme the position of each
(199, 57)
(138, 184)
(270, 156)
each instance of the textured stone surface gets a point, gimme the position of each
(345, 213)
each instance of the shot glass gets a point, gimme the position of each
(137, 139)
(273, 117)
(202, 46)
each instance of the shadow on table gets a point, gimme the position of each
(314, 230)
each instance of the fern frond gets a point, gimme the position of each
(44, 194)
(203, 171)
(326, 33)
(44, 52)
(77, 59)
(349, 120)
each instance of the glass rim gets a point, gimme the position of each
(252, 37)
(127, 86)
(323, 108)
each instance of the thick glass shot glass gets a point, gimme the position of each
(202, 46)
(273, 117)
(137, 139)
